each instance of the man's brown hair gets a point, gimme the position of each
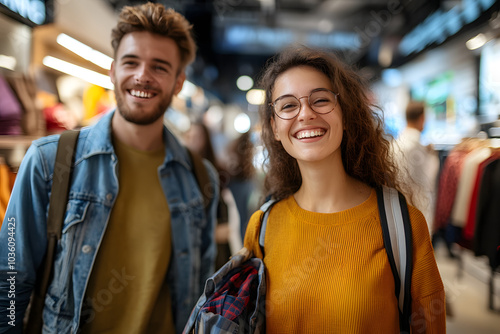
(156, 19)
(414, 110)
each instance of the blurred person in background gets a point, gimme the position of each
(241, 171)
(418, 164)
(137, 242)
(227, 231)
(327, 270)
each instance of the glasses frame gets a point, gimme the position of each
(273, 104)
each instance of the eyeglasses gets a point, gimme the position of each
(321, 101)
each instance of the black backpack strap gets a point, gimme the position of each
(60, 182)
(202, 178)
(396, 231)
(266, 208)
(57, 207)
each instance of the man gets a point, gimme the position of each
(137, 243)
(418, 163)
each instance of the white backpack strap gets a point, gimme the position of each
(266, 208)
(396, 229)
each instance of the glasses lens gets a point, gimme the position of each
(287, 107)
(322, 101)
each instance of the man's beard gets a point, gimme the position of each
(141, 118)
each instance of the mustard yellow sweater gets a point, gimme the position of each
(329, 273)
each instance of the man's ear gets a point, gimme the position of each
(275, 130)
(112, 72)
(179, 82)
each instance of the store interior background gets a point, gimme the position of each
(444, 53)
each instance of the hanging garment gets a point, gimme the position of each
(465, 185)
(447, 188)
(33, 122)
(10, 110)
(468, 232)
(56, 118)
(487, 232)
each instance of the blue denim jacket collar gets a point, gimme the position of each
(99, 141)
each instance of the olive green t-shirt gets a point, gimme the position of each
(127, 289)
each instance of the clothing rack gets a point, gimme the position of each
(457, 228)
(10, 142)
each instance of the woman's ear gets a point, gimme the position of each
(275, 130)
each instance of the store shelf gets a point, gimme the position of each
(10, 142)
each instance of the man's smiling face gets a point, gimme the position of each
(146, 74)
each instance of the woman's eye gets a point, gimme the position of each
(288, 106)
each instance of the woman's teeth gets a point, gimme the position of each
(309, 134)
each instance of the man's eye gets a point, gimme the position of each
(161, 69)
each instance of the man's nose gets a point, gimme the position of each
(142, 75)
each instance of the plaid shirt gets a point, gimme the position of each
(233, 300)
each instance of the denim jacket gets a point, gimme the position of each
(93, 190)
(251, 316)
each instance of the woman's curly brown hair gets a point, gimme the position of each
(366, 152)
(156, 19)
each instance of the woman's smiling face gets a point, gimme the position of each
(309, 137)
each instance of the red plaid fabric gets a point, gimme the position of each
(235, 294)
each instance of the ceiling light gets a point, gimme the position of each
(214, 115)
(256, 96)
(325, 26)
(476, 42)
(84, 51)
(242, 123)
(244, 83)
(268, 5)
(79, 72)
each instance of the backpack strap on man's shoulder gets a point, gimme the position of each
(396, 231)
(63, 167)
(61, 181)
(202, 177)
(266, 209)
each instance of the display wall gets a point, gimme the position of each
(446, 79)
(15, 45)
(489, 81)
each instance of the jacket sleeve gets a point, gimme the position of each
(208, 250)
(23, 239)
(427, 290)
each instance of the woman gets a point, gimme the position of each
(227, 232)
(242, 177)
(327, 269)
